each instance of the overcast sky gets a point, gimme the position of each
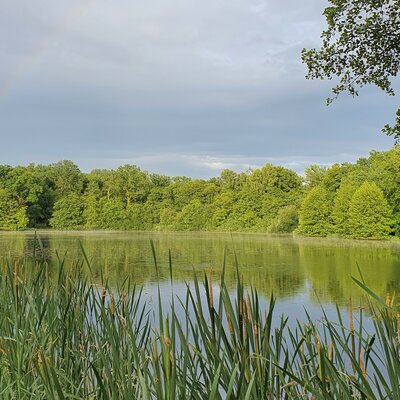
(181, 87)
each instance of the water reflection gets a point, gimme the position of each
(306, 271)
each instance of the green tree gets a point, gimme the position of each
(112, 214)
(222, 208)
(66, 178)
(101, 182)
(194, 216)
(184, 192)
(231, 180)
(286, 221)
(13, 216)
(132, 184)
(385, 172)
(314, 175)
(33, 189)
(271, 179)
(369, 213)
(160, 181)
(168, 219)
(341, 205)
(334, 176)
(314, 216)
(361, 46)
(91, 211)
(68, 212)
(138, 217)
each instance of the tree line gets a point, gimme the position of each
(359, 200)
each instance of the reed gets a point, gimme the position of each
(64, 337)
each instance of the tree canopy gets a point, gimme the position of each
(267, 199)
(361, 46)
(315, 213)
(369, 213)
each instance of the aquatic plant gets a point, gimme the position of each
(66, 336)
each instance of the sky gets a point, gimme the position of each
(178, 87)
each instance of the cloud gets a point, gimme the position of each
(206, 166)
(179, 86)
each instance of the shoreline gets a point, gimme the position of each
(295, 237)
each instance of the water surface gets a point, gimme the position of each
(300, 272)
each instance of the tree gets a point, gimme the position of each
(286, 221)
(186, 191)
(160, 181)
(12, 215)
(194, 216)
(112, 214)
(361, 46)
(132, 184)
(341, 205)
(91, 211)
(68, 212)
(334, 176)
(369, 213)
(31, 188)
(272, 179)
(231, 180)
(222, 207)
(385, 172)
(168, 219)
(66, 177)
(314, 175)
(314, 216)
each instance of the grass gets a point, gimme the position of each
(65, 337)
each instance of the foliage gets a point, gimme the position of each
(12, 215)
(334, 176)
(112, 214)
(68, 212)
(223, 206)
(315, 213)
(194, 216)
(66, 178)
(369, 215)
(131, 184)
(314, 175)
(361, 46)
(286, 221)
(71, 337)
(267, 199)
(340, 211)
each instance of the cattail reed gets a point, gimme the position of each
(240, 306)
(211, 303)
(320, 359)
(353, 342)
(398, 324)
(330, 355)
(248, 308)
(112, 304)
(388, 299)
(167, 355)
(103, 292)
(362, 365)
(229, 322)
(61, 342)
(15, 277)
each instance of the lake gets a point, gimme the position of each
(300, 272)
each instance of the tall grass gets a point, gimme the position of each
(65, 337)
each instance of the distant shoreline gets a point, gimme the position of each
(296, 237)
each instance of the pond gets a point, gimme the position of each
(299, 272)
